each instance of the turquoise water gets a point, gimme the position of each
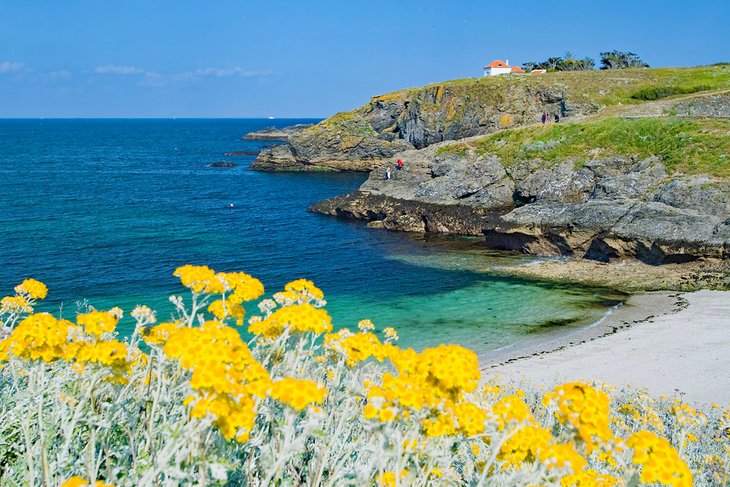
(105, 210)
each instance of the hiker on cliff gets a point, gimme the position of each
(399, 165)
(386, 174)
(544, 117)
(557, 118)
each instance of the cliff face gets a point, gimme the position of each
(371, 135)
(655, 190)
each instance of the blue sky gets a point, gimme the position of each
(294, 58)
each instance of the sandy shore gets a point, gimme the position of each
(666, 343)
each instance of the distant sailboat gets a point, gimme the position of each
(271, 118)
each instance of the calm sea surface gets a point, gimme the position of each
(105, 210)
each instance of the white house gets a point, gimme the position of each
(498, 67)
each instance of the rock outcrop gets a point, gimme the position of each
(369, 136)
(276, 133)
(413, 119)
(608, 187)
(606, 209)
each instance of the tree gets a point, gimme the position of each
(568, 63)
(621, 60)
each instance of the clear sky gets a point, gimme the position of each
(295, 58)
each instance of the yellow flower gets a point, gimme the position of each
(386, 415)
(34, 289)
(561, 456)
(297, 393)
(369, 411)
(97, 322)
(297, 317)
(659, 461)
(77, 481)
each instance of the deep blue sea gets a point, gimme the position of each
(105, 210)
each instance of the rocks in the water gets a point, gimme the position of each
(222, 164)
(276, 133)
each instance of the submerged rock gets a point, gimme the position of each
(222, 164)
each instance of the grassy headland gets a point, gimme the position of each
(686, 146)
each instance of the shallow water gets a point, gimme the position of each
(105, 210)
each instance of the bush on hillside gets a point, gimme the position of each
(657, 92)
(621, 60)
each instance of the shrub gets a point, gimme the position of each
(188, 401)
(657, 92)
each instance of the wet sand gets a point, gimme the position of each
(668, 343)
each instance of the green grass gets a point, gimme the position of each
(686, 146)
(604, 87)
(657, 92)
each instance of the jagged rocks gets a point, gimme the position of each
(367, 137)
(608, 209)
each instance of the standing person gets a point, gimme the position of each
(544, 117)
(399, 165)
(557, 118)
(387, 174)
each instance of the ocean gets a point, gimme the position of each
(103, 211)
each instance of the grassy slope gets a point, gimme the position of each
(686, 146)
(609, 87)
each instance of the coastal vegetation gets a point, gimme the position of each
(188, 401)
(686, 146)
(569, 62)
(603, 87)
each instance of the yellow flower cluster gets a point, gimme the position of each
(523, 445)
(299, 291)
(222, 309)
(159, 334)
(41, 336)
(202, 279)
(297, 393)
(589, 478)
(356, 347)
(562, 457)
(109, 353)
(15, 304)
(26, 293)
(494, 430)
(97, 322)
(583, 409)
(32, 288)
(509, 410)
(225, 378)
(296, 318)
(77, 481)
(686, 416)
(434, 380)
(659, 461)
(390, 479)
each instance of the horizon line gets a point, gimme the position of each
(162, 118)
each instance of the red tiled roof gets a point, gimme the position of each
(497, 64)
(517, 69)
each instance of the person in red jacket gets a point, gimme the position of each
(399, 165)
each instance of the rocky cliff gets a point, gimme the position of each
(369, 136)
(654, 189)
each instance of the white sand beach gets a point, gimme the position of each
(683, 349)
